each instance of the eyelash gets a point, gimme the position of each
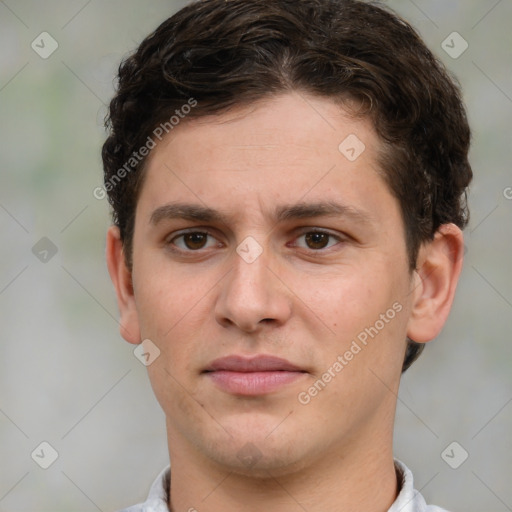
(172, 246)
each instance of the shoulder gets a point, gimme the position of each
(133, 508)
(409, 499)
(157, 496)
(150, 505)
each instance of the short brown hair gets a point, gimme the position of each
(225, 54)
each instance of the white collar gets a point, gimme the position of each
(408, 500)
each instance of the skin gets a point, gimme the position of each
(300, 300)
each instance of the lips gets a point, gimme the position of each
(252, 376)
(255, 364)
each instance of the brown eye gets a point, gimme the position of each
(194, 241)
(316, 240)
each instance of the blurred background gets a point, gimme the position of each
(66, 376)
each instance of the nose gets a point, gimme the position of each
(252, 295)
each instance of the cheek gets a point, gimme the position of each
(173, 310)
(347, 299)
(364, 306)
(164, 298)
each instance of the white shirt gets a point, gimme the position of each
(408, 500)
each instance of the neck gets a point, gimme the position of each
(357, 476)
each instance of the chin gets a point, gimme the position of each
(259, 452)
(255, 463)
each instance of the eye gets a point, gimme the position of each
(193, 241)
(317, 240)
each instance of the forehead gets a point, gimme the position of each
(279, 127)
(288, 148)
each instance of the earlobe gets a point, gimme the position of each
(435, 280)
(122, 281)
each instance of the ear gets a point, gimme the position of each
(435, 280)
(122, 280)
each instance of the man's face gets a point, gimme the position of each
(271, 275)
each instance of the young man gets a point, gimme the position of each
(288, 190)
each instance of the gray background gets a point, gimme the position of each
(66, 375)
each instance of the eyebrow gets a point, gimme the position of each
(195, 212)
